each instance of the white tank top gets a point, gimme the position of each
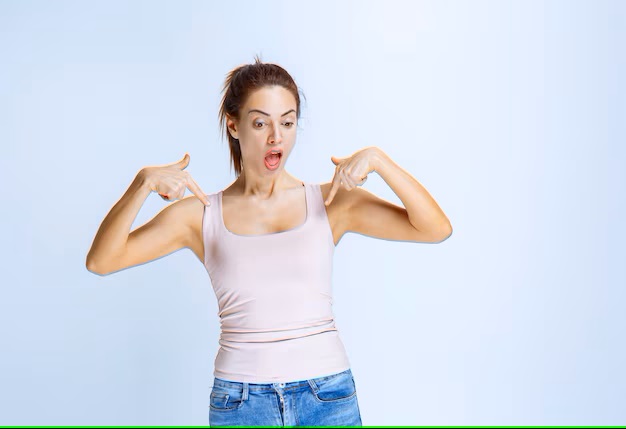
(275, 297)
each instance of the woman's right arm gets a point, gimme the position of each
(114, 248)
(109, 251)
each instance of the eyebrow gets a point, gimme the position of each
(267, 114)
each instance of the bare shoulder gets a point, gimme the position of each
(342, 197)
(338, 211)
(190, 213)
(345, 202)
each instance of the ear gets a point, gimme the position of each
(232, 127)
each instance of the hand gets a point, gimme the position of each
(351, 171)
(170, 181)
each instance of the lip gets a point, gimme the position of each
(274, 150)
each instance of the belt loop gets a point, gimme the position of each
(313, 385)
(245, 392)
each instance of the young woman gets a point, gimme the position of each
(267, 243)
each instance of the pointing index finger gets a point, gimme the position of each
(333, 189)
(195, 189)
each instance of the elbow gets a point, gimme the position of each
(93, 268)
(102, 265)
(444, 235)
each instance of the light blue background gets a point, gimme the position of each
(511, 113)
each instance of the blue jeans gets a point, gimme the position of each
(327, 401)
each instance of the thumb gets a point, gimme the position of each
(334, 159)
(183, 163)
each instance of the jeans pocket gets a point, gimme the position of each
(223, 399)
(335, 388)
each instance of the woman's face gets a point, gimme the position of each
(268, 122)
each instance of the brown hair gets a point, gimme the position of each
(240, 83)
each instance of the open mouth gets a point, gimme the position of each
(272, 159)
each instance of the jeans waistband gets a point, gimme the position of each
(228, 384)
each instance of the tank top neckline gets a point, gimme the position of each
(294, 229)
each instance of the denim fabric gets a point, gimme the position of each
(329, 400)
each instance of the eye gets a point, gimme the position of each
(290, 124)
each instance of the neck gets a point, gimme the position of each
(266, 187)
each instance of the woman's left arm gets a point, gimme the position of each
(420, 220)
(423, 211)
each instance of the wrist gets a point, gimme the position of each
(143, 179)
(378, 159)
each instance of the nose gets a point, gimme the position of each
(276, 136)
